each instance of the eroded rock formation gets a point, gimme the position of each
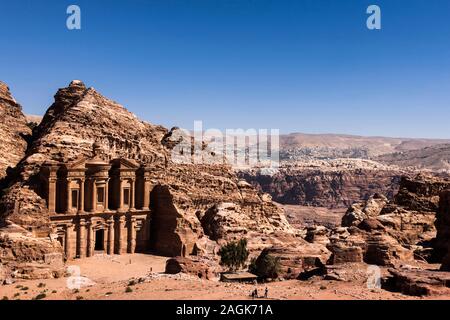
(192, 206)
(442, 243)
(13, 131)
(319, 183)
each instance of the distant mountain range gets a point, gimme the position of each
(373, 145)
(433, 154)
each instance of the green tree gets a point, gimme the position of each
(234, 254)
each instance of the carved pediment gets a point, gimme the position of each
(78, 164)
(125, 164)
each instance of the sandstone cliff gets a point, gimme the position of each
(337, 183)
(191, 199)
(13, 130)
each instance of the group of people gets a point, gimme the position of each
(254, 293)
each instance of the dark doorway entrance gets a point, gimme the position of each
(99, 240)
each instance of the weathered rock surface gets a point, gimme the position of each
(3, 274)
(395, 231)
(200, 267)
(418, 282)
(337, 183)
(295, 260)
(372, 246)
(409, 217)
(442, 242)
(191, 201)
(342, 253)
(26, 257)
(360, 211)
(13, 130)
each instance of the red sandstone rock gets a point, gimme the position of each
(190, 202)
(417, 282)
(13, 129)
(296, 260)
(202, 268)
(442, 242)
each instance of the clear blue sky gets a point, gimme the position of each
(299, 66)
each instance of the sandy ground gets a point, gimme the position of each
(107, 278)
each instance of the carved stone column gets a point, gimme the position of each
(81, 204)
(69, 197)
(107, 195)
(52, 194)
(133, 194)
(147, 189)
(121, 195)
(132, 235)
(111, 236)
(94, 196)
(67, 241)
(90, 239)
(82, 243)
(120, 227)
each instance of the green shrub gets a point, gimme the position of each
(128, 290)
(40, 296)
(234, 254)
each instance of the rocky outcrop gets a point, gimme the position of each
(200, 267)
(337, 183)
(409, 217)
(384, 250)
(369, 245)
(24, 256)
(13, 131)
(442, 243)
(360, 211)
(191, 201)
(417, 282)
(296, 260)
(401, 229)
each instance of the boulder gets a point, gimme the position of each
(345, 254)
(384, 250)
(363, 210)
(318, 234)
(202, 268)
(296, 260)
(417, 282)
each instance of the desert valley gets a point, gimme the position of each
(94, 207)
